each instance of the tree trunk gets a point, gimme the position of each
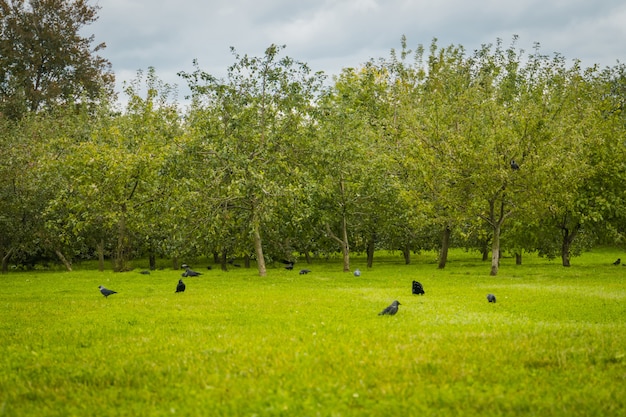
(518, 259)
(345, 248)
(343, 241)
(216, 257)
(496, 221)
(565, 247)
(258, 249)
(246, 261)
(565, 253)
(495, 251)
(120, 258)
(406, 252)
(224, 261)
(63, 259)
(307, 256)
(370, 253)
(445, 246)
(100, 250)
(568, 239)
(5, 261)
(152, 260)
(175, 263)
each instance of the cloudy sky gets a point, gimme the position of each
(334, 34)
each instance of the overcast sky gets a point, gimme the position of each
(333, 34)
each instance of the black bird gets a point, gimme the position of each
(145, 272)
(417, 288)
(304, 271)
(514, 165)
(357, 272)
(288, 264)
(391, 310)
(191, 273)
(106, 292)
(619, 260)
(181, 286)
(491, 298)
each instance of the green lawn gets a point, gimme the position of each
(235, 344)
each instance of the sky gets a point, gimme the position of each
(330, 35)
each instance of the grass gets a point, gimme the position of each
(235, 344)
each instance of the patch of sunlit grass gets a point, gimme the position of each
(288, 344)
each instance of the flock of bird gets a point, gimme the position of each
(416, 287)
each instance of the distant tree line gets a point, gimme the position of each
(497, 151)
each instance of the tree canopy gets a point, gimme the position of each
(44, 60)
(496, 151)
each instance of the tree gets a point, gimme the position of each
(44, 60)
(435, 104)
(113, 194)
(22, 196)
(350, 164)
(249, 130)
(28, 182)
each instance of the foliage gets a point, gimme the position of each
(412, 152)
(45, 61)
(250, 131)
(112, 194)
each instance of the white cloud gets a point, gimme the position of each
(333, 34)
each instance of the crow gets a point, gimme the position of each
(191, 273)
(304, 271)
(106, 292)
(145, 272)
(514, 165)
(288, 264)
(491, 298)
(619, 260)
(181, 286)
(391, 310)
(417, 288)
(357, 272)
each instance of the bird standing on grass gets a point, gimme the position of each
(191, 273)
(181, 286)
(106, 292)
(619, 260)
(391, 310)
(417, 288)
(304, 271)
(491, 298)
(357, 272)
(514, 165)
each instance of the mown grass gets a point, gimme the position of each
(235, 344)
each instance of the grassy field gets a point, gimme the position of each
(235, 344)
